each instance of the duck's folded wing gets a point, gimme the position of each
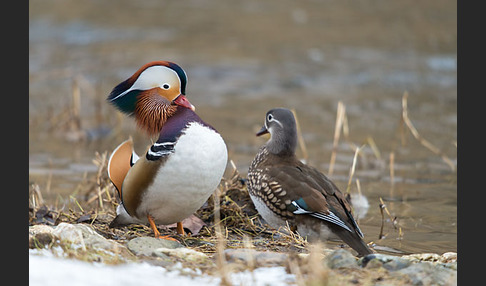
(121, 160)
(308, 197)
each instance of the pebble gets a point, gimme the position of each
(420, 269)
(147, 245)
(341, 258)
(78, 240)
(389, 262)
(40, 236)
(257, 258)
(429, 274)
(185, 254)
(165, 249)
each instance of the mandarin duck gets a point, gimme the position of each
(178, 172)
(283, 189)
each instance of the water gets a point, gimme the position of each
(244, 58)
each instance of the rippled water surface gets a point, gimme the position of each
(246, 57)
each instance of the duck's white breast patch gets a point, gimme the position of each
(188, 177)
(268, 215)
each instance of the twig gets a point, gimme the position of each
(393, 220)
(76, 106)
(337, 133)
(392, 173)
(353, 167)
(300, 138)
(373, 146)
(77, 203)
(358, 186)
(417, 136)
(220, 244)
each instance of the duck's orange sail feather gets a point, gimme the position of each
(119, 163)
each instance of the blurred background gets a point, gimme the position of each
(243, 58)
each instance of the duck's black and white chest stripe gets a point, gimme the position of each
(159, 150)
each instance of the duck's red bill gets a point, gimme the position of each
(181, 100)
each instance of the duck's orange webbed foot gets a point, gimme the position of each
(180, 229)
(156, 231)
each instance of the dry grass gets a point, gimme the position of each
(419, 137)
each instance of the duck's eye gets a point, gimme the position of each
(166, 86)
(270, 117)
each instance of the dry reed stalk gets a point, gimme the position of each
(345, 124)
(248, 246)
(417, 136)
(341, 109)
(318, 272)
(75, 106)
(373, 146)
(36, 197)
(300, 138)
(393, 220)
(358, 186)
(353, 168)
(287, 233)
(220, 241)
(295, 269)
(392, 173)
(76, 202)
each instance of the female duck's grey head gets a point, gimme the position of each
(280, 123)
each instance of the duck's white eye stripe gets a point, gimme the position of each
(279, 123)
(150, 78)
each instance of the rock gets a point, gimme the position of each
(40, 236)
(79, 241)
(389, 262)
(185, 254)
(431, 257)
(147, 245)
(84, 236)
(258, 258)
(341, 258)
(267, 258)
(397, 264)
(429, 274)
(374, 264)
(449, 257)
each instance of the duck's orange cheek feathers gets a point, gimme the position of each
(152, 111)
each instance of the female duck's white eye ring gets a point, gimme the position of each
(270, 117)
(166, 86)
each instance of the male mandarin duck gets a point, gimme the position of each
(283, 188)
(182, 168)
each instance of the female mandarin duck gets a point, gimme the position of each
(178, 172)
(285, 189)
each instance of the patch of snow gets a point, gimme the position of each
(47, 269)
(263, 276)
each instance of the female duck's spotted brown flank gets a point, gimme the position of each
(182, 168)
(285, 189)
